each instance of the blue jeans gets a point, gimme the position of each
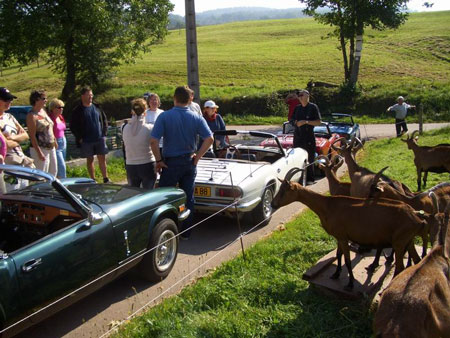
(182, 171)
(61, 156)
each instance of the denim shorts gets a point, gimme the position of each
(89, 149)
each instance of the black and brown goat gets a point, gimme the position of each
(330, 167)
(416, 303)
(374, 223)
(435, 159)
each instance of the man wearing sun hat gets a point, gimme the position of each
(215, 121)
(400, 109)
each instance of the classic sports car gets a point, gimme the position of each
(342, 124)
(324, 139)
(245, 173)
(57, 237)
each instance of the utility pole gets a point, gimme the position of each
(191, 49)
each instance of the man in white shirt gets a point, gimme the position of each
(194, 106)
(400, 109)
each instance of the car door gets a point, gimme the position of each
(63, 261)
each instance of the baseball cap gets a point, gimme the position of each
(210, 104)
(303, 91)
(6, 95)
(400, 98)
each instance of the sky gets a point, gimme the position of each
(206, 5)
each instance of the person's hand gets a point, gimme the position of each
(159, 166)
(41, 155)
(195, 159)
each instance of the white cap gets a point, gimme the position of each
(210, 104)
(400, 98)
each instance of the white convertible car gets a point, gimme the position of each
(244, 176)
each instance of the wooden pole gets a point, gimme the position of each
(420, 119)
(191, 49)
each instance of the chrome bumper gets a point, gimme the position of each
(185, 214)
(214, 207)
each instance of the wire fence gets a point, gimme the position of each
(241, 235)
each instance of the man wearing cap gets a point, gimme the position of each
(305, 117)
(215, 121)
(180, 128)
(400, 109)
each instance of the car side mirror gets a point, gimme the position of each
(94, 218)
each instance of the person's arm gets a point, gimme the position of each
(154, 144)
(31, 125)
(207, 142)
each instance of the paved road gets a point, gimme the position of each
(208, 247)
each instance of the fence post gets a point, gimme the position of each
(420, 119)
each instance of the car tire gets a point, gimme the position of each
(263, 211)
(157, 264)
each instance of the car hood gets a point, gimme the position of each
(217, 171)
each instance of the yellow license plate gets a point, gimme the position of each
(202, 191)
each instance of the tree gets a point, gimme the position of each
(82, 39)
(350, 18)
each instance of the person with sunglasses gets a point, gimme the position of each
(55, 108)
(305, 117)
(40, 130)
(13, 134)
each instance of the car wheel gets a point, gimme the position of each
(263, 211)
(158, 263)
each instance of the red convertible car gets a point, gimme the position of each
(324, 139)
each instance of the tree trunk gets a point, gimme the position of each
(343, 44)
(356, 60)
(70, 84)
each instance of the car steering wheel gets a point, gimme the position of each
(228, 152)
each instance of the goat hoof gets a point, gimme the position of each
(335, 276)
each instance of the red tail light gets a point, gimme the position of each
(229, 192)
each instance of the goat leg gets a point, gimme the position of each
(425, 177)
(376, 262)
(348, 264)
(413, 253)
(337, 273)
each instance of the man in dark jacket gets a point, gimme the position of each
(305, 117)
(89, 126)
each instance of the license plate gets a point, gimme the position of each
(202, 191)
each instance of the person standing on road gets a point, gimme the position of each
(400, 109)
(140, 162)
(305, 117)
(194, 106)
(40, 130)
(55, 108)
(89, 126)
(292, 100)
(180, 128)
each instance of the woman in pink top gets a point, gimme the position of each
(55, 108)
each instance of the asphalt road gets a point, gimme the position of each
(213, 242)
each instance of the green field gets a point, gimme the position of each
(247, 59)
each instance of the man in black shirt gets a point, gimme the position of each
(305, 117)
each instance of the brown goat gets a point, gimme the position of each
(421, 201)
(435, 159)
(361, 177)
(416, 303)
(329, 168)
(375, 223)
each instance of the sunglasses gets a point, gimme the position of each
(7, 100)
(43, 98)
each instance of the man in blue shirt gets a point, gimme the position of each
(180, 128)
(89, 126)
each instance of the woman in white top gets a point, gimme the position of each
(139, 159)
(153, 110)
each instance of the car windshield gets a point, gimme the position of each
(338, 119)
(104, 193)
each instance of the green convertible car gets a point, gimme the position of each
(61, 240)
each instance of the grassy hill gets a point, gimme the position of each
(248, 59)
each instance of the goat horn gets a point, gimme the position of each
(338, 161)
(433, 197)
(342, 140)
(291, 173)
(378, 175)
(414, 133)
(358, 146)
(322, 159)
